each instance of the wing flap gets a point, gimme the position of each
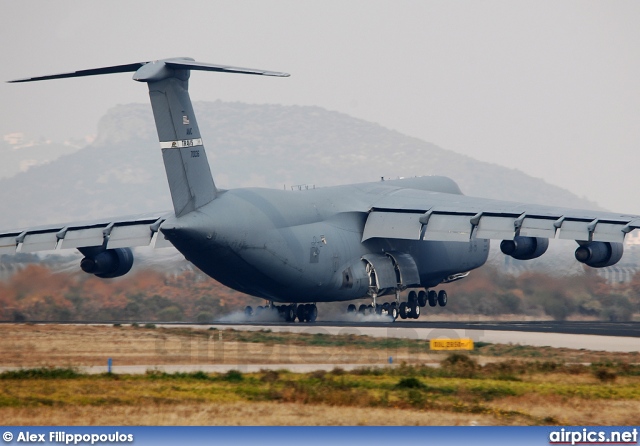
(574, 230)
(464, 218)
(609, 232)
(448, 228)
(8, 244)
(538, 227)
(130, 235)
(82, 237)
(496, 228)
(392, 224)
(45, 241)
(116, 233)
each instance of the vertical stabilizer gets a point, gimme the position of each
(185, 160)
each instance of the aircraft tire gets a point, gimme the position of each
(362, 309)
(412, 297)
(248, 311)
(393, 311)
(351, 308)
(403, 310)
(433, 298)
(442, 298)
(289, 313)
(415, 310)
(300, 312)
(312, 313)
(422, 298)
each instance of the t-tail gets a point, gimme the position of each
(185, 160)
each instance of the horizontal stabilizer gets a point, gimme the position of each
(176, 63)
(202, 66)
(81, 73)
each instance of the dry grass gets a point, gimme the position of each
(461, 392)
(237, 414)
(74, 345)
(27, 345)
(574, 411)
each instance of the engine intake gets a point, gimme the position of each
(599, 254)
(525, 248)
(107, 264)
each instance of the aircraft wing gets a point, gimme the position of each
(120, 232)
(421, 215)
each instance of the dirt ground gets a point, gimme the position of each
(25, 345)
(30, 346)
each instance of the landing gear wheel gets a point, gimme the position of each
(393, 311)
(433, 298)
(362, 309)
(378, 309)
(412, 297)
(301, 313)
(312, 313)
(289, 313)
(403, 310)
(386, 308)
(422, 298)
(415, 310)
(259, 310)
(442, 298)
(248, 311)
(351, 308)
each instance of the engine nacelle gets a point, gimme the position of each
(525, 248)
(107, 264)
(599, 254)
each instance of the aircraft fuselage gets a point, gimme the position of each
(306, 246)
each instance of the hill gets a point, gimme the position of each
(276, 146)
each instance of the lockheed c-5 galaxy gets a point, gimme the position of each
(320, 245)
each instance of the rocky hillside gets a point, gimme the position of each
(276, 146)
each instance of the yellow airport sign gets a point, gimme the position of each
(451, 344)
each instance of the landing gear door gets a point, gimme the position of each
(383, 272)
(407, 270)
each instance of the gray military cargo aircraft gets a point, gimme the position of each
(295, 249)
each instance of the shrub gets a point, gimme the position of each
(410, 383)
(604, 375)
(459, 365)
(233, 376)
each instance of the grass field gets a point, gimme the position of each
(496, 384)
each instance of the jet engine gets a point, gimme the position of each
(524, 248)
(108, 263)
(599, 254)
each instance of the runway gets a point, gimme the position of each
(615, 329)
(591, 335)
(588, 336)
(599, 336)
(623, 329)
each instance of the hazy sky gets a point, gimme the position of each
(548, 87)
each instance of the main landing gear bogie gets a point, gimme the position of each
(385, 309)
(417, 300)
(289, 313)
